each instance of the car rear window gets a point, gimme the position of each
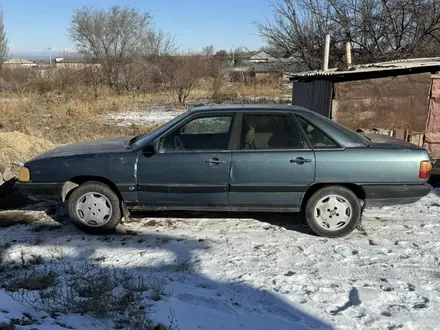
(349, 132)
(317, 138)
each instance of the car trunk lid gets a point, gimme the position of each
(386, 141)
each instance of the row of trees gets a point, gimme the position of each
(131, 56)
(378, 30)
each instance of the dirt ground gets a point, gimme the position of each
(16, 147)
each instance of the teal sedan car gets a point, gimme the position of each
(247, 158)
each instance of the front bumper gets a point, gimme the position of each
(40, 191)
(386, 195)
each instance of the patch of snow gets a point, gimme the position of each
(149, 116)
(266, 99)
(262, 273)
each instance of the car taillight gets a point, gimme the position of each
(425, 169)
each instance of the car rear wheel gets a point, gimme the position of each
(333, 211)
(94, 208)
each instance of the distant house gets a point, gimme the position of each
(44, 64)
(275, 69)
(264, 71)
(262, 57)
(76, 63)
(14, 63)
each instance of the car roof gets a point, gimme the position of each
(246, 107)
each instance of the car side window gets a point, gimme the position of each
(270, 131)
(202, 133)
(208, 125)
(317, 138)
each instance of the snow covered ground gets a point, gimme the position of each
(265, 272)
(156, 115)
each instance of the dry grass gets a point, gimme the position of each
(112, 297)
(33, 282)
(241, 92)
(77, 116)
(13, 218)
(7, 327)
(65, 118)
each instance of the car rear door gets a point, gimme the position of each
(191, 166)
(272, 165)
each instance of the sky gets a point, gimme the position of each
(34, 25)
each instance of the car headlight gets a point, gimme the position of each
(24, 175)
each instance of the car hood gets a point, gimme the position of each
(89, 147)
(386, 141)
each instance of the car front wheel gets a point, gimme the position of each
(94, 208)
(333, 211)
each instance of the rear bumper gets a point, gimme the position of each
(385, 195)
(40, 191)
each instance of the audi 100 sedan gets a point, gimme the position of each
(247, 158)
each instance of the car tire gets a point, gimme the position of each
(333, 211)
(94, 208)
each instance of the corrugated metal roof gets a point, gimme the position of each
(430, 62)
(262, 56)
(80, 60)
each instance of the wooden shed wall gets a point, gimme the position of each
(390, 103)
(432, 135)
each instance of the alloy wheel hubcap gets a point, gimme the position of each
(94, 209)
(332, 212)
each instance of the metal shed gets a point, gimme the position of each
(398, 97)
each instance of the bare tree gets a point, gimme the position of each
(93, 79)
(183, 73)
(222, 56)
(214, 64)
(208, 50)
(112, 36)
(4, 49)
(217, 75)
(158, 43)
(379, 30)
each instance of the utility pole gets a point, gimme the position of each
(50, 56)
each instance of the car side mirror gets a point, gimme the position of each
(149, 149)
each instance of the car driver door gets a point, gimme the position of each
(190, 166)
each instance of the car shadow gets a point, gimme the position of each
(289, 221)
(14, 201)
(434, 180)
(175, 260)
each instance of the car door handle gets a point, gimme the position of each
(300, 160)
(214, 161)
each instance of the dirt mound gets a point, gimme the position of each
(16, 147)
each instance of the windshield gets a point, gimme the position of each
(139, 139)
